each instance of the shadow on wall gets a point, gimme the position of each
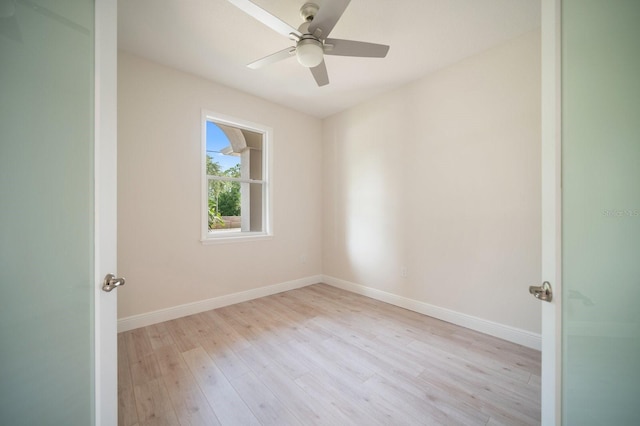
(369, 197)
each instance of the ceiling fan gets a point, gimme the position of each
(311, 37)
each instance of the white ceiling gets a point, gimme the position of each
(215, 40)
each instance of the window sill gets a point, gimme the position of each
(243, 237)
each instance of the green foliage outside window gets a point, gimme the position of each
(224, 196)
(229, 199)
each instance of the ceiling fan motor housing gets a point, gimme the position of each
(308, 11)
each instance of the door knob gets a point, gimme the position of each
(110, 282)
(542, 292)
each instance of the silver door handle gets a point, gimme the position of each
(542, 292)
(110, 282)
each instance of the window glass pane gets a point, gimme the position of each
(229, 200)
(221, 158)
(224, 201)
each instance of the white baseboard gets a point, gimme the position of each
(154, 317)
(511, 334)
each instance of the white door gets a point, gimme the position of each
(58, 361)
(591, 212)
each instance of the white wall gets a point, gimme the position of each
(159, 192)
(442, 177)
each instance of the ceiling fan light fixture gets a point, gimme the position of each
(309, 52)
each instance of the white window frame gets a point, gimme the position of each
(267, 223)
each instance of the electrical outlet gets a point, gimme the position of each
(303, 258)
(404, 272)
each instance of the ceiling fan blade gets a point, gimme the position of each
(328, 16)
(274, 57)
(320, 74)
(271, 21)
(339, 47)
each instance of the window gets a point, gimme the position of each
(236, 185)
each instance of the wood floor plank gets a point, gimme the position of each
(189, 404)
(138, 344)
(475, 375)
(344, 380)
(306, 409)
(342, 366)
(159, 335)
(322, 356)
(477, 391)
(221, 351)
(145, 369)
(127, 413)
(153, 403)
(404, 407)
(223, 330)
(264, 352)
(223, 398)
(182, 336)
(327, 393)
(262, 402)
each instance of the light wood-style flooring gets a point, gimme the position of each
(322, 356)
